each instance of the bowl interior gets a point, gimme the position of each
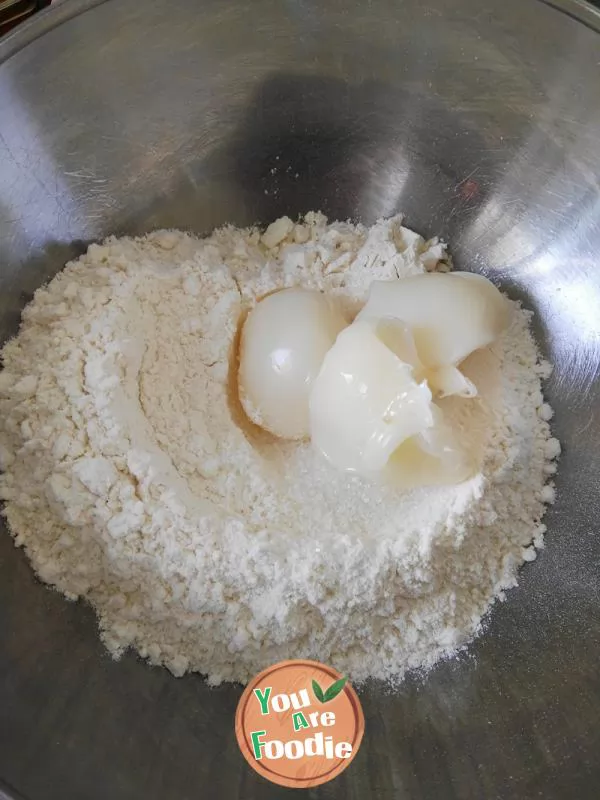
(480, 123)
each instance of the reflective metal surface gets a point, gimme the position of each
(481, 121)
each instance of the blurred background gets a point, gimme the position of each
(14, 11)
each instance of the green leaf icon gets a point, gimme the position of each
(331, 693)
(318, 691)
(335, 689)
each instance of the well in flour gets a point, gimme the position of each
(133, 480)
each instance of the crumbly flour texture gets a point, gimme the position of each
(132, 478)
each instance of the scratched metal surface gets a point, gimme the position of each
(481, 121)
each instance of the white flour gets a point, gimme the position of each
(132, 478)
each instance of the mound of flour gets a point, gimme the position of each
(133, 479)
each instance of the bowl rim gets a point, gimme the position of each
(61, 11)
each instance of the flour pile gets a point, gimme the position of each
(133, 479)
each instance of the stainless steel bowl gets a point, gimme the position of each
(481, 121)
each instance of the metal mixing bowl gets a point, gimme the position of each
(478, 119)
